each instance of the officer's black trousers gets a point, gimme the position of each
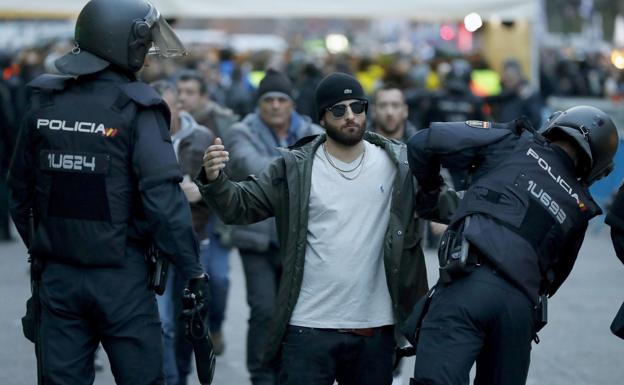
(483, 318)
(85, 306)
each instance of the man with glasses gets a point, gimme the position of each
(352, 263)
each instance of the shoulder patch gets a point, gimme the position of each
(478, 124)
(141, 93)
(50, 82)
(144, 95)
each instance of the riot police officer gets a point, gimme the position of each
(512, 241)
(95, 166)
(615, 219)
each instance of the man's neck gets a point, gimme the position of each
(398, 134)
(281, 131)
(344, 153)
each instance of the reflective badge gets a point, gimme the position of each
(478, 124)
(74, 162)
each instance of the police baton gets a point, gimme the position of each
(197, 333)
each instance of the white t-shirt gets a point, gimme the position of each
(344, 281)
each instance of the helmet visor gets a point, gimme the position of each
(165, 42)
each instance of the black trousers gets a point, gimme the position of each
(262, 275)
(82, 307)
(481, 317)
(320, 356)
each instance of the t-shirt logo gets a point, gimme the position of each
(348, 91)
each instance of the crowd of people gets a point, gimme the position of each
(308, 174)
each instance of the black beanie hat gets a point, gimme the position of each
(275, 81)
(335, 88)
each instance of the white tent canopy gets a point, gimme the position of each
(412, 9)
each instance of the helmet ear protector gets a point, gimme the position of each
(140, 40)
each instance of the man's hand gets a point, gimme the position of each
(215, 159)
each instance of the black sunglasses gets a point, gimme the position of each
(339, 110)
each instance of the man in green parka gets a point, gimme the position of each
(345, 206)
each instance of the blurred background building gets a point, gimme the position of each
(522, 55)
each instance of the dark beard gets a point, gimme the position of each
(344, 138)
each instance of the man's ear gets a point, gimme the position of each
(322, 123)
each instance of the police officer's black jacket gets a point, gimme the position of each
(615, 219)
(528, 211)
(95, 163)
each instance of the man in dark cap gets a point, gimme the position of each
(254, 144)
(94, 182)
(349, 242)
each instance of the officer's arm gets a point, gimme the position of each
(438, 205)
(423, 162)
(166, 208)
(566, 260)
(244, 202)
(21, 182)
(456, 146)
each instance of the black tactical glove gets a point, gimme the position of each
(195, 312)
(522, 124)
(199, 290)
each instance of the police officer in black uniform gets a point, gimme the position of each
(513, 240)
(95, 166)
(615, 219)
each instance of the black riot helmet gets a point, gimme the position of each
(118, 32)
(593, 132)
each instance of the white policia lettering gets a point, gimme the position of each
(56, 125)
(558, 179)
(548, 202)
(71, 162)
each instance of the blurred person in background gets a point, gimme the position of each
(240, 94)
(390, 111)
(518, 98)
(455, 103)
(253, 145)
(89, 199)
(194, 98)
(8, 133)
(417, 96)
(189, 141)
(309, 77)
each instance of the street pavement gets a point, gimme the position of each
(576, 346)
